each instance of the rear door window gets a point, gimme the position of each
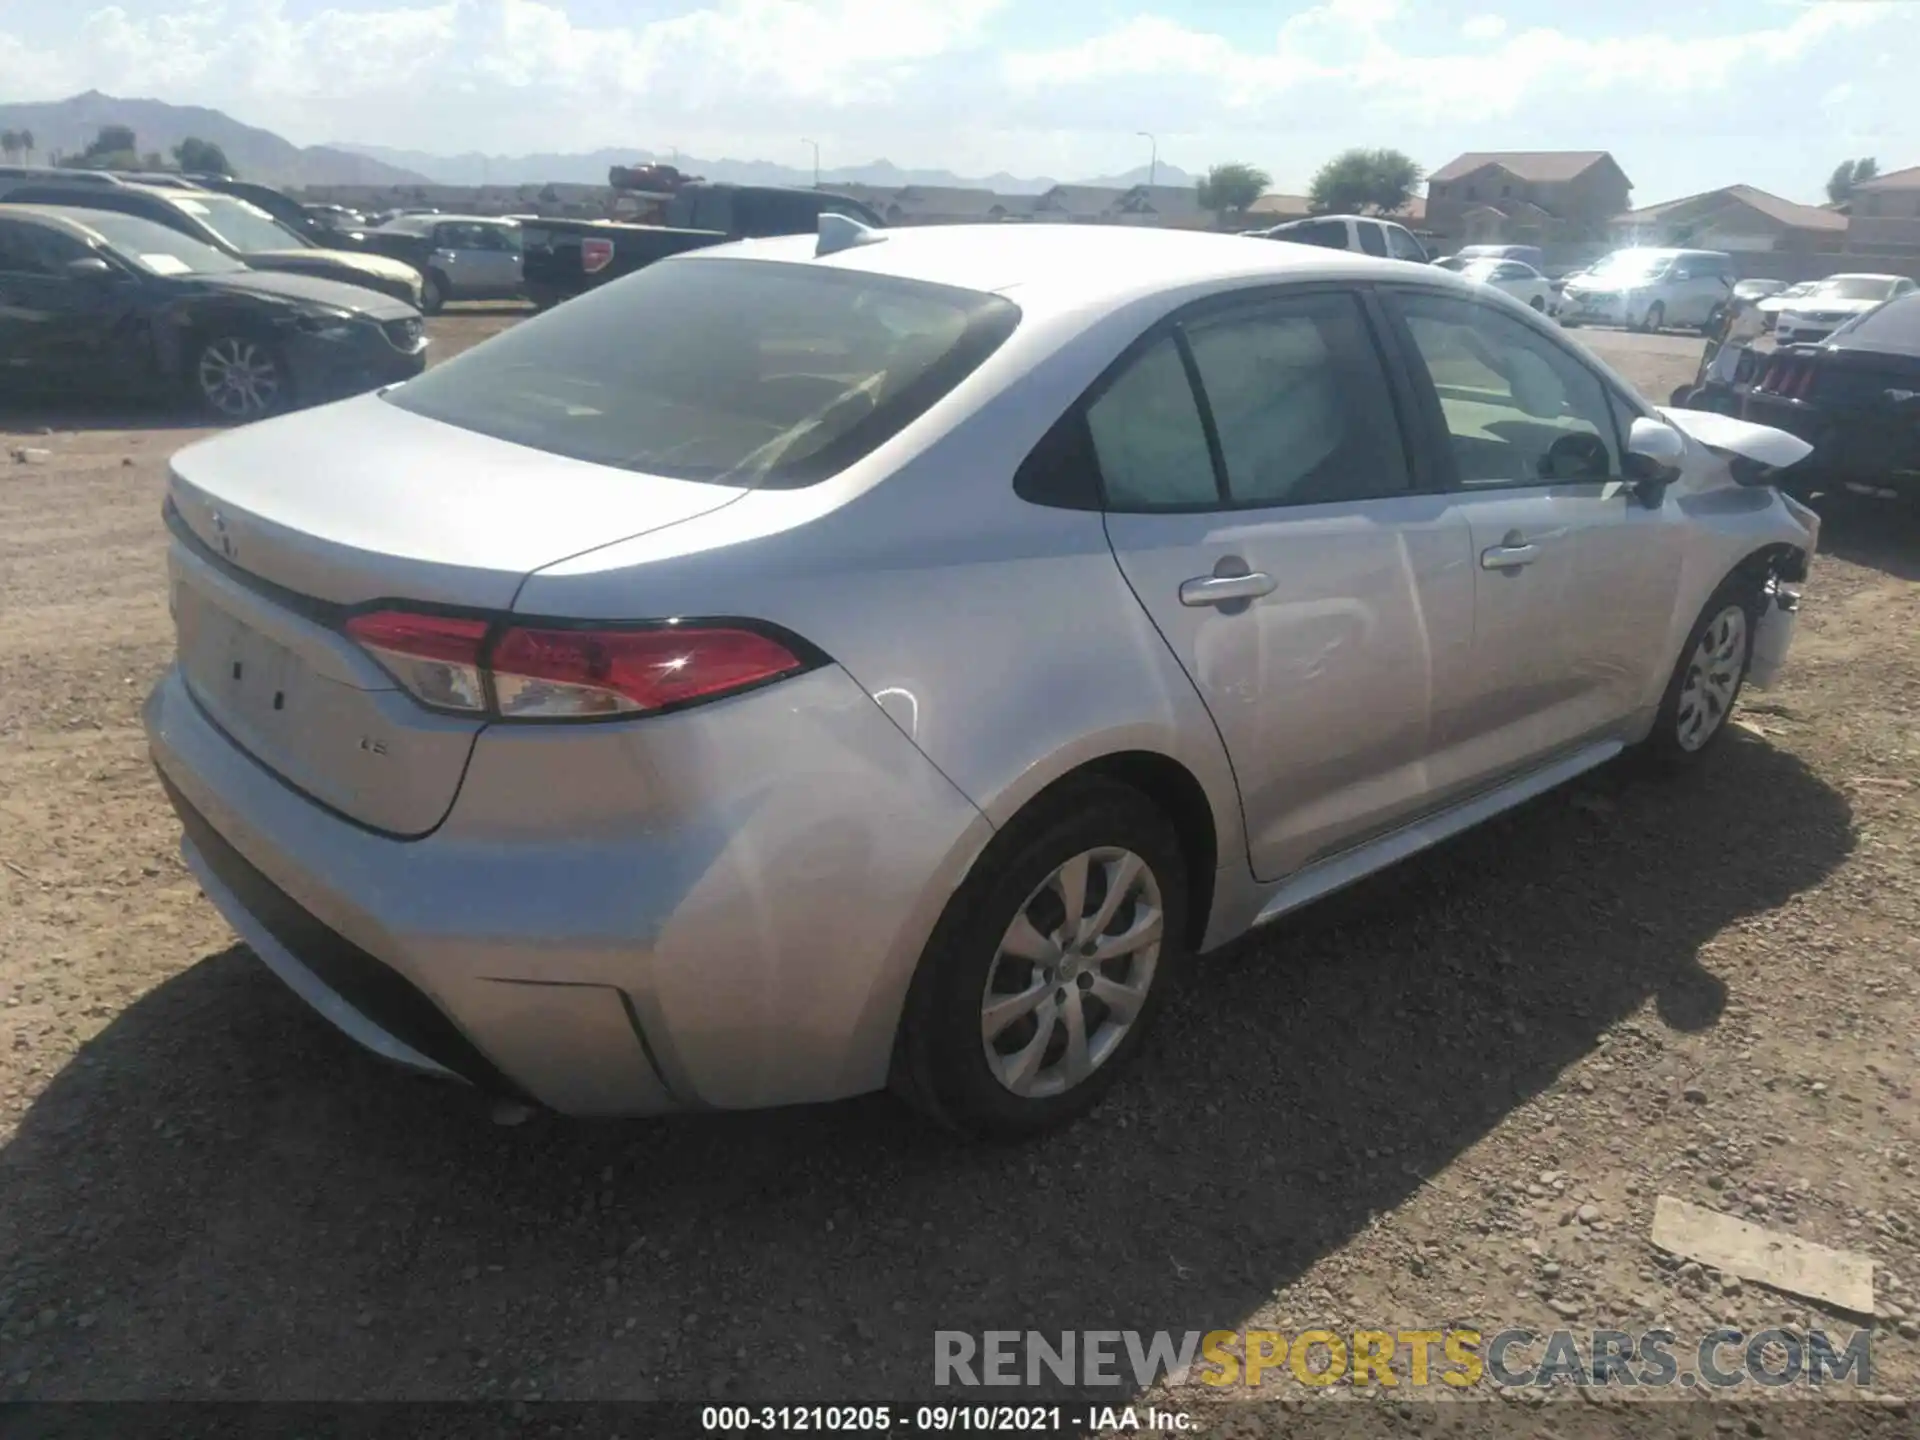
(1300, 402)
(1402, 246)
(1372, 240)
(1149, 439)
(739, 372)
(1331, 234)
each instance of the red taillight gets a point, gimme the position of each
(542, 673)
(436, 657)
(552, 674)
(595, 255)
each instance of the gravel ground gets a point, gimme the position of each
(1449, 1095)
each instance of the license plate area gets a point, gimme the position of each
(242, 676)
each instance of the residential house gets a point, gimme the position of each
(1885, 217)
(1526, 197)
(1077, 204)
(935, 204)
(1172, 206)
(1735, 218)
(1277, 209)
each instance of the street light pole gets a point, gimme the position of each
(816, 160)
(1153, 164)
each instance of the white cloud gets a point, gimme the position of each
(1484, 27)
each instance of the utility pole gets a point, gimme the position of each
(1153, 161)
(816, 160)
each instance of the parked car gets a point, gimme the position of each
(1757, 290)
(1515, 278)
(1531, 255)
(562, 258)
(463, 257)
(303, 220)
(101, 302)
(1286, 564)
(1855, 397)
(1647, 289)
(1830, 303)
(342, 225)
(1362, 234)
(227, 223)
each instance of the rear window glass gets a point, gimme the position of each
(1894, 326)
(740, 372)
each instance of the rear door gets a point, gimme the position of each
(495, 259)
(1263, 507)
(1574, 578)
(461, 255)
(1402, 246)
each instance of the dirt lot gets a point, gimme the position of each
(1392, 1112)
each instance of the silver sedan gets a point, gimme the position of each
(888, 658)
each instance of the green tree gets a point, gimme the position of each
(1849, 173)
(113, 148)
(26, 144)
(9, 143)
(201, 157)
(1362, 181)
(1231, 188)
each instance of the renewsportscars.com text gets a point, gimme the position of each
(1454, 1358)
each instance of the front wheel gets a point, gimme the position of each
(239, 378)
(1538, 304)
(433, 294)
(1656, 317)
(1047, 967)
(1707, 680)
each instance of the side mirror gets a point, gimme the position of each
(1655, 451)
(89, 267)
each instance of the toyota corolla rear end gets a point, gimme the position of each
(613, 864)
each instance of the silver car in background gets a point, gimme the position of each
(811, 665)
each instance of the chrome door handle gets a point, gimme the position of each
(1225, 589)
(1508, 557)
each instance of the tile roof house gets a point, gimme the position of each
(1734, 217)
(1885, 214)
(1526, 196)
(1077, 204)
(935, 204)
(1175, 206)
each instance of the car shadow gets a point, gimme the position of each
(1880, 533)
(219, 1197)
(29, 417)
(480, 308)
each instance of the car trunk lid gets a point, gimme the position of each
(282, 529)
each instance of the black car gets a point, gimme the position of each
(1855, 397)
(327, 226)
(227, 223)
(92, 300)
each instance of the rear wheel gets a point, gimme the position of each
(1656, 316)
(1538, 304)
(1048, 966)
(1707, 680)
(239, 378)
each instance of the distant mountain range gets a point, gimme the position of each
(66, 127)
(591, 169)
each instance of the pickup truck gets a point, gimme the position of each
(563, 258)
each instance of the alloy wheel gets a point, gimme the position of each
(1713, 678)
(1072, 972)
(239, 378)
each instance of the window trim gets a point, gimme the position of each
(1421, 478)
(1438, 437)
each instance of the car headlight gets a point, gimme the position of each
(326, 324)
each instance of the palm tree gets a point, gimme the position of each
(25, 137)
(9, 143)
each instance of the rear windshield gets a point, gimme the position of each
(741, 372)
(1894, 326)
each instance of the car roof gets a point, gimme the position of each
(1061, 266)
(1861, 275)
(58, 217)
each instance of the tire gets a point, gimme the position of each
(1032, 1082)
(433, 293)
(238, 377)
(1538, 304)
(1694, 711)
(1656, 317)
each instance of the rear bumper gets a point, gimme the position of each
(716, 919)
(1847, 449)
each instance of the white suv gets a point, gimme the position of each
(1650, 290)
(1362, 234)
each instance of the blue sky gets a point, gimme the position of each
(1686, 96)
